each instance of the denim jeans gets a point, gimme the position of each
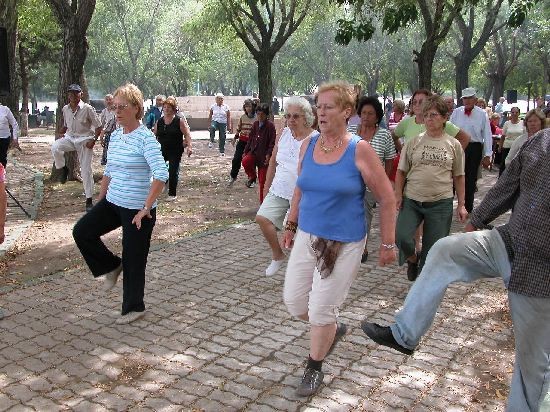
(102, 219)
(468, 257)
(221, 127)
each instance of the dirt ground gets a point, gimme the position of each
(204, 202)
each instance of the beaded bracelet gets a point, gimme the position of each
(291, 226)
(389, 246)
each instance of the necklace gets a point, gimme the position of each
(329, 149)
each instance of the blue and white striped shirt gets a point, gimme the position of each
(133, 159)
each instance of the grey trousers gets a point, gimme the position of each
(467, 257)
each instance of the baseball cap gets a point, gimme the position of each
(74, 88)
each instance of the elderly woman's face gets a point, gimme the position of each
(125, 112)
(368, 116)
(108, 102)
(417, 102)
(219, 101)
(167, 109)
(331, 115)
(433, 120)
(294, 117)
(533, 125)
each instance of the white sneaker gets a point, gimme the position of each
(111, 278)
(210, 145)
(129, 318)
(171, 198)
(274, 267)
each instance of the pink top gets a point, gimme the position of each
(2, 173)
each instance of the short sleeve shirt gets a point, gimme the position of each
(219, 113)
(512, 131)
(408, 128)
(430, 165)
(81, 123)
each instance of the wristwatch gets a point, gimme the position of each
(147, 209)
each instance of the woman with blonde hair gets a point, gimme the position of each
(326, 224)
(397, 114)
(174, 136)
(534, 122)
(133, 179)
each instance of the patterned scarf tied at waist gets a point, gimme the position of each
(326, 252)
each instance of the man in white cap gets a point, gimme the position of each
(80, 131)
(219, 118)
(474, 121)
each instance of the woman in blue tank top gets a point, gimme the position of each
(327, 208)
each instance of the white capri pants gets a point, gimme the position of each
(305, 291)
(78, 144)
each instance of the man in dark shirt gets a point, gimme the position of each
(517, 252)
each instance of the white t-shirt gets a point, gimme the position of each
(286, 173)
(219, 113)
(512, 131)
(7, 119)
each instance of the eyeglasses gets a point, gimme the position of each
(432, 115)
(119, 106)
(294, 116)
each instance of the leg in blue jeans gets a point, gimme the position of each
(135, 249)
(213, 128)
(531, 378)
(464, 257)
(221, 144)
(467, 257)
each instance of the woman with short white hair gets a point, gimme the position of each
(281, 175)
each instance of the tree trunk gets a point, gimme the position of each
(8, 19)
(265, 82)
(462, 67)
(74, 18)
(497, 83)
(24, 75)
(425, 60)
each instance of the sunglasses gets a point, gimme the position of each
(119, 106)
(294, 116)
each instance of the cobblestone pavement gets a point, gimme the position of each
(217, 337)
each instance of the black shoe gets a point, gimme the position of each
(341, 330)
(311, 381)
(63, 174)
(250, 183)
(89, 204)
(383, 336)
(364, 256)
(412, 271)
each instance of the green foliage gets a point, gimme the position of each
(38, 31)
